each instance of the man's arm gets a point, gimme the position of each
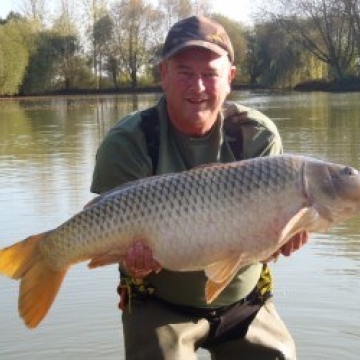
(292, 245)
(121, 157)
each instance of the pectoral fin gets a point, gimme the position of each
(305, 219)
(219, 275)
(113, 256)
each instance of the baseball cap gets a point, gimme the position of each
(197, 31)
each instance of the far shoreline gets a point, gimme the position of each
(346, 85)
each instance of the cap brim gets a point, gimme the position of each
(196, 43)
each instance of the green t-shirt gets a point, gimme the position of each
(123, 156)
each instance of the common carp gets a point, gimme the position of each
(216, 218)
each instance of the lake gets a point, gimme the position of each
(47, 151)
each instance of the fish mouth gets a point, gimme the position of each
(346, 181)
(347, 184)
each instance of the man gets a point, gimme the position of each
(165, 315)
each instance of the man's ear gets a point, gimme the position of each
(232, 73)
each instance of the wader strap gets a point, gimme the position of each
(150, 127)
(234, 137)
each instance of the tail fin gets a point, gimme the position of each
(39, 283)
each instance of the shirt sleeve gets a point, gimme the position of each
(260, 140)
(260, 136)
(121, 157)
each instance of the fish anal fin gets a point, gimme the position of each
(113, 256)
(220, 274)
(39, 283)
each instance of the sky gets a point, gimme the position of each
(5, 8)
(235, 9)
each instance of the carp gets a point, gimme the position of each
(216, 218)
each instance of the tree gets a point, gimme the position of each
(257, 60)
(41, 70)
(14, 54)
(66, 44)
(352, 10)
(321, 27)
(99, 29)
(135, 28)
(173, 11)
(273, 58)
(236, 32)
(11, 16)
(36, 10)
(101, 35)
(201, 7)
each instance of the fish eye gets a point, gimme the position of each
(347, 170)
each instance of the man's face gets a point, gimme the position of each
(196, 82)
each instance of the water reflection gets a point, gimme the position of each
(318, 124)
(47, 150)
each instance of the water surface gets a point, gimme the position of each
(47, 150)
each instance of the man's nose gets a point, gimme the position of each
(197, 82)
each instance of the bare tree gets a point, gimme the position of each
(352, 10)
(173, 11)
(322, 27)
(201, 7)
(35, 10)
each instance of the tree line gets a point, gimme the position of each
(112, 45)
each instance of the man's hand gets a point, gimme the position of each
(138, 261)
(292, 245)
